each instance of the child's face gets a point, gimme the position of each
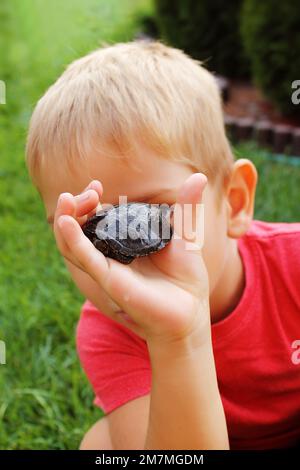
(154, 181)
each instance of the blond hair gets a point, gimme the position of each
(118, 95)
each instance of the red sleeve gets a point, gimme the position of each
(115, 360)
(280, 250)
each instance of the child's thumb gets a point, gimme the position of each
(188, 212)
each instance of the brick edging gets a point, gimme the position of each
(278, 138)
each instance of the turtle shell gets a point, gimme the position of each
(127, 231)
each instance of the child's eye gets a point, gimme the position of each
(168, 202)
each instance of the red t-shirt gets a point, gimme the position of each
(256, 347)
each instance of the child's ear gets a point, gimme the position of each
(240, 194)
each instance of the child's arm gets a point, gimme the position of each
(167, 297)
(128, 423)
(186, 411)
(129, 427)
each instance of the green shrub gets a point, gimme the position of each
(208, 30)
(270, 32)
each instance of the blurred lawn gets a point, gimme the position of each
(278, 191)
(45, 400)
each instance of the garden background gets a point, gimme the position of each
(45, 399)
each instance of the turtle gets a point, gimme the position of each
(127, 231)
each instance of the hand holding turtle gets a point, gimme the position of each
(165, 293)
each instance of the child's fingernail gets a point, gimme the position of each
(62, 196)
(84, 197)
(60, 221)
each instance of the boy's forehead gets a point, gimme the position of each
(148, 174)
(149, 177)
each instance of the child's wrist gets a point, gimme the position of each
(165, 349)
(189, 361)
(194, 335)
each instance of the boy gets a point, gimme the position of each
(176, 341)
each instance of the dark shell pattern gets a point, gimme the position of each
(127, 231)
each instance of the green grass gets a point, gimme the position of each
(45, 400)
(278, 190)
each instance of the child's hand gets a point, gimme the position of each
(166, 293)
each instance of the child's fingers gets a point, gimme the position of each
(124, 285)
(85, 207)
(77, 206)
(80, 251)
(66, 206)
(184, 251)
(188, 208)
(96, 185)
(118, 281)
(85, 203)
